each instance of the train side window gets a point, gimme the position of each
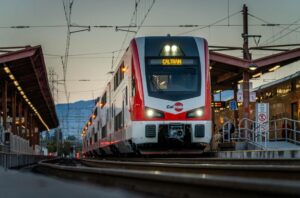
(126, 96)
(99, 125)
(103, 100)
(95, 137)
(133, 86)
(119, 76)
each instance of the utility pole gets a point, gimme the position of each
(246, 56)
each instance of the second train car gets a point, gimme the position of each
(157, 100)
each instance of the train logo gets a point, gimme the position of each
(178, 106)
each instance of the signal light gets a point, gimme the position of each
(218, 104)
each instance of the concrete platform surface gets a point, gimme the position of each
(15, 184)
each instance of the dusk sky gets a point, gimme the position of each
(91, 51)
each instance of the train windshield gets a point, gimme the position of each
(173, 83)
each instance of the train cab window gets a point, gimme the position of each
(173, 83)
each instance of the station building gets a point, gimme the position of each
(283, 95)
(26, 104)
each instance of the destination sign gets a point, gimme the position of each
(171, 61)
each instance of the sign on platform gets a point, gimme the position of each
(252, 96)
(239, 96)
(233, 105)
(262, 118)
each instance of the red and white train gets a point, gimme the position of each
(157, 100)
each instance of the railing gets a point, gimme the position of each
(20, 145)
(9, 160)
(283, 129)
(226, 132)
(250, 131)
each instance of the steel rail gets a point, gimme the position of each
(290, 172)
(201, 160)
(171, 184)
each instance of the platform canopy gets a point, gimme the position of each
(28, 69)
(227, 70)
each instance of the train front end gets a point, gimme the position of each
(172, 103)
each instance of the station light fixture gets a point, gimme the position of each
(7, 70)
(11, 77)
(252, 66)
(22, 93)
(256, 75)
(274, 68)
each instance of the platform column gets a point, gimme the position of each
(30, 130)
(236, 112)
(20, 118)
(246, 56)
(4, 103)
(14, 112)
(26, 135)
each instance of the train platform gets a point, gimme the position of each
(259, 154)
(15, 184)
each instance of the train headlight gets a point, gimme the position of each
(174, 48)
(167, 48)
(195, 113)
(153, 113)
(149, 113)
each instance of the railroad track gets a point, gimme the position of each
(183, 180)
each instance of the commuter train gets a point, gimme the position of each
(158, 100)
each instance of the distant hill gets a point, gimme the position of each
(73, 116)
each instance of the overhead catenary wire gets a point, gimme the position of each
(113, 27)
(135, 17)
(212, 24)
(278, 35)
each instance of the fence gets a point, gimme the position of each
(8, 160)
(283, 129)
